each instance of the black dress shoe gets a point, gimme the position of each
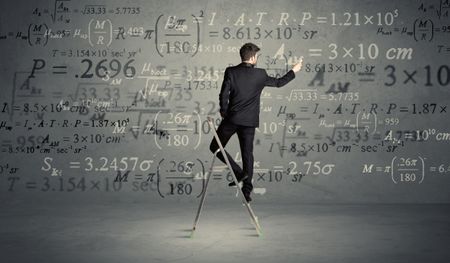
(239, 180)
(247, 196)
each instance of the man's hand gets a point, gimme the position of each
(298, 66)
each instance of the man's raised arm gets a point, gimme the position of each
(280, 82)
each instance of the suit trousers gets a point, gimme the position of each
(246, 135)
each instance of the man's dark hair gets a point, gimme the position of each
(248, 50)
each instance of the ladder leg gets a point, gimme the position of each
(252, 214)
(254, 218)
(202, 200)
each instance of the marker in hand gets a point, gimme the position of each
(298, 66)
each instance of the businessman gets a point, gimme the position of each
(239, 102)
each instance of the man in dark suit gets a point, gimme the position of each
(239, 101)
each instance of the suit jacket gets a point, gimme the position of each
(241, 89)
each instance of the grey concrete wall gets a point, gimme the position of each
(364, 121)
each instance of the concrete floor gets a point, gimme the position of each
(144, 232)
